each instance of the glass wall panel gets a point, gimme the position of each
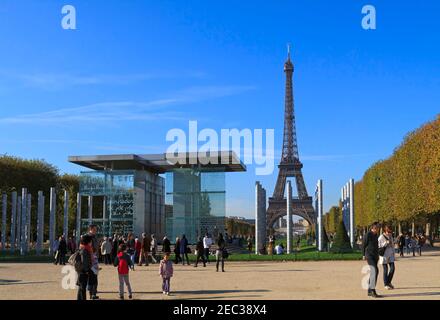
(195, 202)
(118, 189)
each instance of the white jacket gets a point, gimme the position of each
(207, 242)
(388, 257)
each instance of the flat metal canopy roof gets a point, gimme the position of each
(226, 161)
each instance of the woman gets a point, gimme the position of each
(131, 247)
(177, 258)
(386, 257)
(220, 253)
(200, 253)
(85, 256)
(184, 249)
(166, 245)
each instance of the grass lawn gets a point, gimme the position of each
(7, 257)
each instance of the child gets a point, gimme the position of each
(166, 272)
(124, 263)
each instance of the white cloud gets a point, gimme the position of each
(56, 81)
(118, 111)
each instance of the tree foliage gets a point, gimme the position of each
(38, 175)
(341, 243)
(406, 185)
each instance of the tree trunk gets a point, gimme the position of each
(413, 228)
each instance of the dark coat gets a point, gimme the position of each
(199, 247)
(183, 245)
(177, 247)
(62, 247)
(166, 246)
(86, 260)
(370, 247)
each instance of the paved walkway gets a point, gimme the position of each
(416, 278)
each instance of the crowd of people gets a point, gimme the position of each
(381, 249)
(126, 252)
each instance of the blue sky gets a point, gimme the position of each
(135, 69)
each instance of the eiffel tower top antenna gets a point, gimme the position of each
(288, 51)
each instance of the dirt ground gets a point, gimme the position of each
(416, 278)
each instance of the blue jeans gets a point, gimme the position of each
(166, 284)
(388, 274)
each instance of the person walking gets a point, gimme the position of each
(249, 244)
(145, 249)
(131, 247)
(370, 252)
(85, 256)
(207, 243)
(62, 251)
(413, 245)
(184, 249)
(220, 253)
(115, 246)
(71, 245)
(408, 244)
(421, 240)
(106, 250)
(93, 275)
(401, 244)
(166, 245)
(177, 257)
(200, 253)
(166, 272)
(386, 257)
(137, 249)
(55, 246)
(153, 248)
(124, 263)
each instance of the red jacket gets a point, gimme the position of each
(123, 262)
(138, 247)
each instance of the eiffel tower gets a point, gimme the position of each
(290, 165)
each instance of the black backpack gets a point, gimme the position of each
(76, 261)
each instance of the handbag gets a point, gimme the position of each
(383, 249)
(225, 254)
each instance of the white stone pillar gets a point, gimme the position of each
(18, 224)
(40, 223)
(23, 223)
(289, 217)
(66, 215)
(12, 238)
(28, 223)
(320, 210)
(52, 220)
(4, 211)
(90, 208)
(78, 218)
(351, 207)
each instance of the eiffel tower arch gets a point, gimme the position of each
(290, 166)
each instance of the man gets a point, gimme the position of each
(145, 249)
(370, 250)
(166, 245)
(401, 244)
(93, 275)
(62, 250)
(279, 249)
(106, 250)
(207, 243)
(153, 248)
